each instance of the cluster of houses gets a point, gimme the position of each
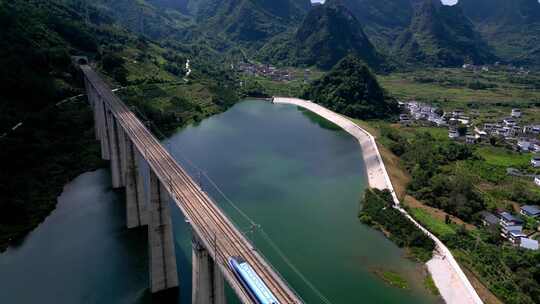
(269, 71)
(511, 226)
(497, 66)
(523, 138)
(265, 70)
(416, 111)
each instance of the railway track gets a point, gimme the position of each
(216, 231)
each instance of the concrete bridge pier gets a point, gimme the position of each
(104, 130)
(114, 149)
(208, 282)
(122, 153)
(104, 135)
(97, 114)
(136, 211)
(93, 99)
(163, 273)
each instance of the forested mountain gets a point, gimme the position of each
(351, 89)
(55, 143)
(409, 32)
(421, 32)
(512, 28)
(441, 35)
(382, 20)
(328, 33)
(249, 22)
(156, 19)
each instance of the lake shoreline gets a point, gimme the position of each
(42, 187)
(452, 283)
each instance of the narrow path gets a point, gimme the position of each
(453, 285)
(188, 70)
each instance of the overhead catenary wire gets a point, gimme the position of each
(254, 227)
(167, 170)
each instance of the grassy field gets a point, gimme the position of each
(433, 224)
(440, 134)
(497, 156)
(455, 85)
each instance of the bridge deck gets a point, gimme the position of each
(219, 235)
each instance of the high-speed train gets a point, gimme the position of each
(256, 288)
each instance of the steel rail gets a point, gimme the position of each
(208, 220)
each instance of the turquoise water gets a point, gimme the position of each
(301, 180)
(297, 177)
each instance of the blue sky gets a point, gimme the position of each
(444, 1)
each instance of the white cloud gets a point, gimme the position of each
(449, 2)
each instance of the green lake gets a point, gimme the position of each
(292, 173)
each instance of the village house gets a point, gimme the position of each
(505, 132)
(457, 113)
(470, 139)
(489, 127)
(524, 145)
(480, 134)
(530, 244)
(510, 122)
(453, 133)
(535, 161)
(531, 129)
(461, 119)
(515, 236)
(439, 121)
(511, 226)
(489, 220)
(530, 210)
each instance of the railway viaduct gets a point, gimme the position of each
(152, 180)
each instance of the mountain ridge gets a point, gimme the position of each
(441, 35)
(327, 34)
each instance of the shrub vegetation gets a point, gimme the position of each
(378, 211)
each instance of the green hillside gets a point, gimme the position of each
(328, 33)
(351, 89)
(55, 143)
(511, 28)
(441, 35)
